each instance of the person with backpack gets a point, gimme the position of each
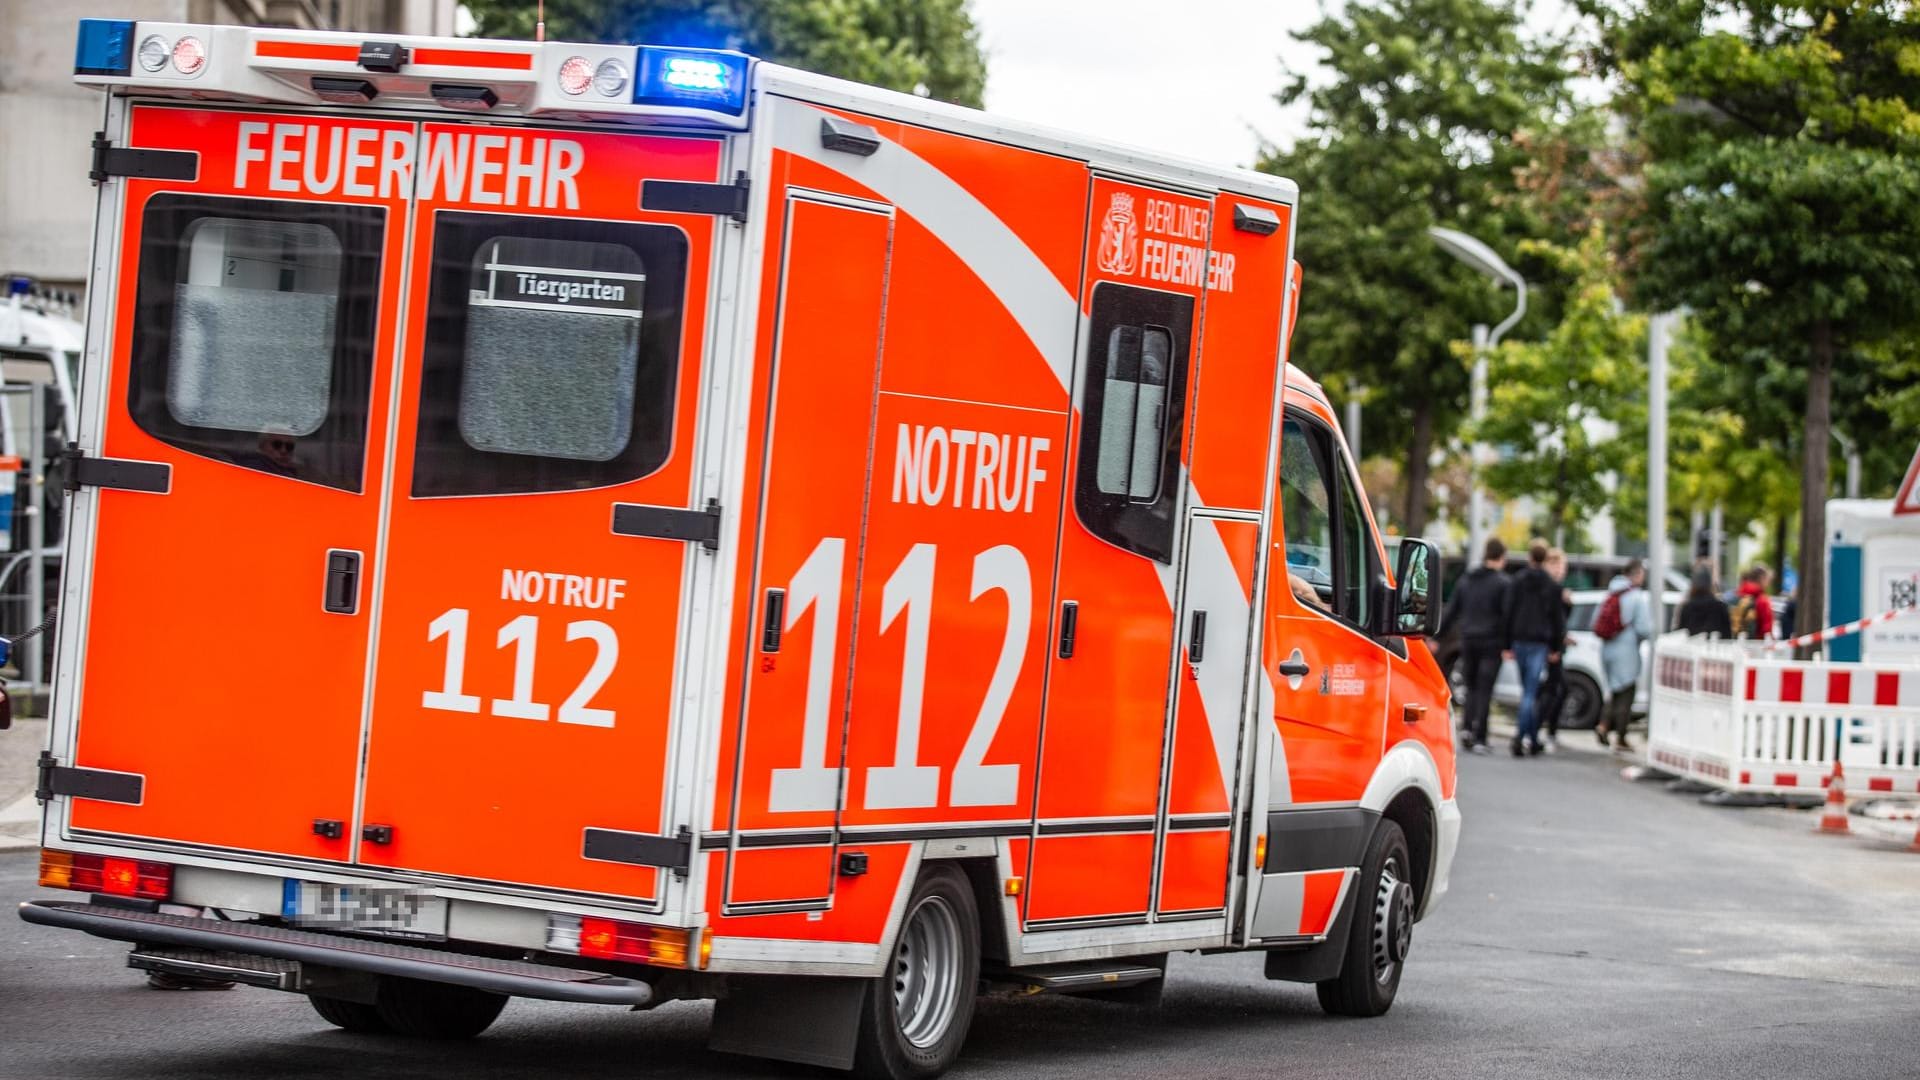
(1479, 608)
(1536, 632)
(1703, 612)
(1752, 615)
(1621, 624)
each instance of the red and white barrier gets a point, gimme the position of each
(1740, 717)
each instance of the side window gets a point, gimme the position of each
(1331, 563)
(253, 333)
(552, 354)
(1133, 417)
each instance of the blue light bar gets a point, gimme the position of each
(105, 47)
(692, 78)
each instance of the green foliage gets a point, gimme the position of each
(1421, 125)
(929, 47)
(1782, 201)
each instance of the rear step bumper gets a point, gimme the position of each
(515, 977)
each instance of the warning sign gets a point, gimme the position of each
(1908, 500)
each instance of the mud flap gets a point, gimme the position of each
(811, 1021)
(1315, 962)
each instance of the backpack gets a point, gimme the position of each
(1746, 621)
(1606, 621)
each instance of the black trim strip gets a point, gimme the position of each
(1109, 825)
(1129, 919)
(640, 849)
(670, 523)
(1216, 821)
(881, 834)
(1322, 839)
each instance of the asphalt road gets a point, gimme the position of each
(1597, 928)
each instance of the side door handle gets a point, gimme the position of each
(1069, 627)
(1295, 668)
(773, 621)
(1197, 637)
(343, 582)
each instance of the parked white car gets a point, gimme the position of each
(1586, 674)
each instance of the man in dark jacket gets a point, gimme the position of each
(1536, 632)
(1479, 610)
(1703, 612)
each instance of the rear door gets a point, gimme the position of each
(225, 637)
(544, 446)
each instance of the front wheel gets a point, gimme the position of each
(1381, 934)
(916, 1014)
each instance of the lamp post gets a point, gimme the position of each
(1481, 259)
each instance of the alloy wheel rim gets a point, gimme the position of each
(926, 972)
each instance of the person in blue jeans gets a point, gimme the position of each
(1536, 632)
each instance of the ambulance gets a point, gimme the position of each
(627, 524)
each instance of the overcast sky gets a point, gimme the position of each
(1194, 77)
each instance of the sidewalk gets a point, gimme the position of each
(20, 748)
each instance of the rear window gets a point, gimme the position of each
(253, 332)
(551, 356)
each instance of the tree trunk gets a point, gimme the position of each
(1810, 600)
(1419, 449)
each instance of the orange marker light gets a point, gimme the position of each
(1260, 850)
(706, 947)
(56, 870)
(1013, 886)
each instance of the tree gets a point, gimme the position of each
(1782, 196)
(1417, 127)
(929, 47)
(1554, 404)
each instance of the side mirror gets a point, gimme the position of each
(1416, 594)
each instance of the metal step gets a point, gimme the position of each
(1084, 976)
(515, 977)
(210, 964)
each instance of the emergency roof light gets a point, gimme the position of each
(699, 78)
(105, 47)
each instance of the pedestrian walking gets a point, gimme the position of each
(1553, 688)
(1622, 623)
(1752, 615)
(1479, 609)
(1536, 632)
(1703, 612)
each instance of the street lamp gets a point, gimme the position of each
(1481, 259)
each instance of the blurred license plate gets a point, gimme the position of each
(367, 908)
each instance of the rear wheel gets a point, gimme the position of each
(349, 1015)
(1381, 934)
(429, 1010)
(916, 1014)
(1583, 704)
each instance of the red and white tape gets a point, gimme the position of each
(1842, 630)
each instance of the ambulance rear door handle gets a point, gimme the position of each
(1295, 668)
(1069, 627)
(1196, 637)
(343, 582)
(775, 618)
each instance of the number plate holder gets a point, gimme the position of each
(390, 911)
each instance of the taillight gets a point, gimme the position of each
(108, 874)
(610, 939)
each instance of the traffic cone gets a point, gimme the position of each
(1834, 818)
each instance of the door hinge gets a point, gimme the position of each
(673, 853)
(684, 197)
(111, 160)
(670, 523)
(83, 470)
(99, 784)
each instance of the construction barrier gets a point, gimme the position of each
(1740, 717)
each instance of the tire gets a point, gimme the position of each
(1583, 704)
(349, 1015)
(429, 1010)
(915, 1017)
(1382, 931)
